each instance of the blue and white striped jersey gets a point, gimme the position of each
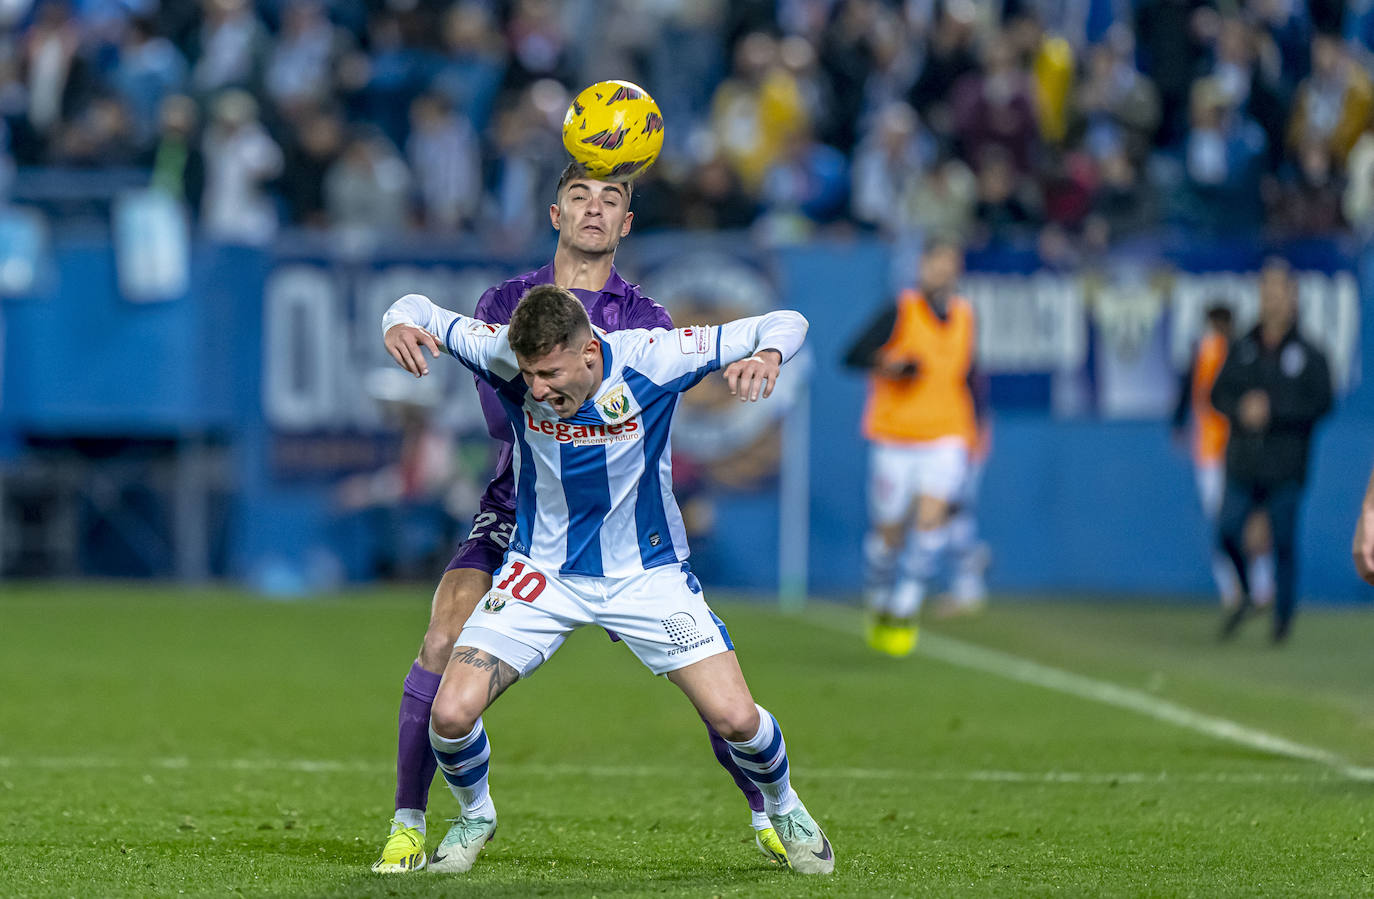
(594, 491)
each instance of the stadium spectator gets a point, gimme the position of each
(56, 77)
(1357, 204)
(231, 50)
(367, 190)
(1224, 156)
(1115, 107)
(176, 160)
(1170, 37)
(1273, 388)
(941, 202)
(1249, 80)
(948, 56)
(1363, 544)
(1122, 204)
(1305, 200)
(807, 185)
(300, 67)
(1334, 104)
(890, 156)
(311, 151)
(240, 159)
(150, 68)
(993, 108)
(1005, 212)
(446, 160)
(755, 110)
(713, 199)
(102, 134)
(473, 63)
(921, 424)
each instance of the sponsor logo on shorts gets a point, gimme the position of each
(584, 435)
(682, 629)
(493, 603)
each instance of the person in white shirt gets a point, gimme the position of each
(598, 538)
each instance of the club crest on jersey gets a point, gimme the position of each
(696, 340)
(493, 603)
(615, 405)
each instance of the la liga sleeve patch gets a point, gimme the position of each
(695, 341)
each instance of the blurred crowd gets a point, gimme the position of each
(1067, 125)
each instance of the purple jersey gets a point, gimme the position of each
(618, 305)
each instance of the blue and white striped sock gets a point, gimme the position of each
(464, 764)
(763, 759)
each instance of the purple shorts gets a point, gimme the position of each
(486, 544)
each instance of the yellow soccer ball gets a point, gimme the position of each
(614, 129)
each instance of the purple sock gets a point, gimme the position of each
(727, 761)
(415, 762)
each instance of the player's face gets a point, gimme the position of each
(592, 216)
(564, 378)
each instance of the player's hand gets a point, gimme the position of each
(1363, 545)
(1253, 410)
(897, 368)
(759, 373)
(407, 344)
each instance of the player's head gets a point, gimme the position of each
(1278, 291)
(1219, 318)
(591, 216)
(559, 356)
(942, 262)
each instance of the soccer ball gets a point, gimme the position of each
(614, 129)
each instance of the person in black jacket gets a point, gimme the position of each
(1274, 387)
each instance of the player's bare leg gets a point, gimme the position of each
(716, 687)
(457, 595)
(472, 681)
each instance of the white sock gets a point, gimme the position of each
(1262, 578)
(1224, 573)
(759, 820)
(915, 568)
(880, 564)
(464, 764)
(408, 817)
(763, 759)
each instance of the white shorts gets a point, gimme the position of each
(1211, 487)
(660, 614)
(898, 473)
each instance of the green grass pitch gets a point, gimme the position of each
(161, 742)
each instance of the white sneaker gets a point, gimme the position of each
(459, 847)
(808, 851)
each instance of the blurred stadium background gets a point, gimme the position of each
(209, 204)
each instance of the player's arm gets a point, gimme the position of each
(413, 325)
(754, 349)
(863, 353)
(1228, 387)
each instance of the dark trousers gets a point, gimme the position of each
(1281, 502)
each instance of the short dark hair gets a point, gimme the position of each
(1219, 316)
(575, 171)
(547, 317)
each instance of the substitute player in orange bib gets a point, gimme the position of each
(921, 423)
(1210, 433)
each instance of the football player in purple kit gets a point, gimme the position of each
(590, 217)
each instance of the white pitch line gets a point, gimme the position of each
(1023, 670)
(335, 766)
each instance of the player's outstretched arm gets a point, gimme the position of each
(755, 349)
(413, 324)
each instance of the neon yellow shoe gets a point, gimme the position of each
(771, 847)
(404, 852)
(897, 640)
